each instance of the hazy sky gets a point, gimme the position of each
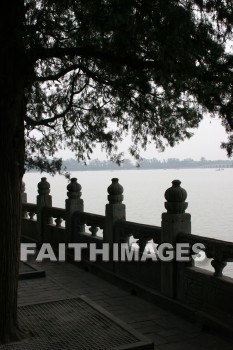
(205, 142)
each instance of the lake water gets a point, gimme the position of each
(210, 196)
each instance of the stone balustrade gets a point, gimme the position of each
(219, 251)
(96, 223)
(57, 215)
(29, 211)
(180, 281)
(141, 233)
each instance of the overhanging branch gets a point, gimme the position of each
(58, 75)
(48, 121)
(91, 53)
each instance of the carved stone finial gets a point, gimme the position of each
(43, 187)
(176, 197)
(74, 189)
(115, 191)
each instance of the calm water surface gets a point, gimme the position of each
(210, 195)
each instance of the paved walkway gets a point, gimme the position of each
(168, 331)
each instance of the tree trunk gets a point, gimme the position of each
(10, 183)
(12, 110)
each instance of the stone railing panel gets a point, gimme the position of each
(29, 210)
(219, 251)
(93, 224)
(146, 273)
(124, 230)
(58, 214)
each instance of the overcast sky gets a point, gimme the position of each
(205, 143)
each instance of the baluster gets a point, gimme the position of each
(93, 229)
(142, 242)
(124, 236)
(24, 213)
(218, 267)
(32, 214)
(58, 221)
(218, 262)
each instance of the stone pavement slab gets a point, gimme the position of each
(168, 331)
(27, 271)
(75, 324)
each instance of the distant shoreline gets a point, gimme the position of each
(145, 164)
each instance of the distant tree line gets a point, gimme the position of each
(170, 163)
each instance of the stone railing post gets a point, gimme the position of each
(43, 200)
(174, 221)
(23, 199)
(115, 210)
(73, 203)
(23, 193)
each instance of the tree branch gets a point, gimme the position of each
(91, 52)
(48, 121)
(57, 75)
